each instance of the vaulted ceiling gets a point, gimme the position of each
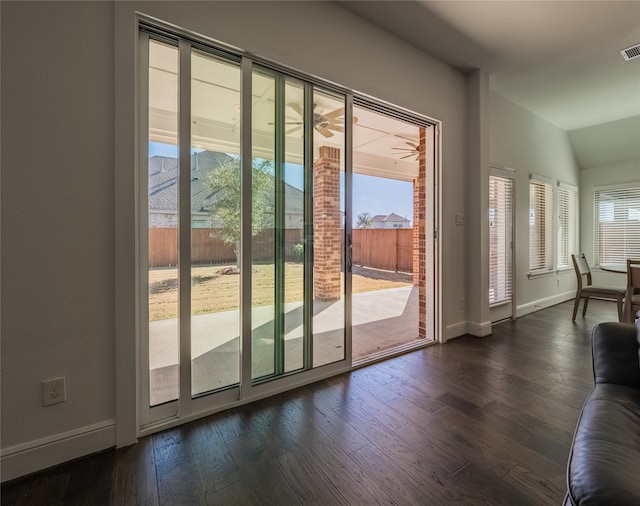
(558, 59)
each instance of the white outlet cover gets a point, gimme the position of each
(54, 391)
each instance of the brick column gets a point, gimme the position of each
(419, 231)
(327, 231)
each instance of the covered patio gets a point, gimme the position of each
(382, 320)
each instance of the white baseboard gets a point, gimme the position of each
(455, 330)
(479, 329)
(27, 458)
(461, 328)
(537, 305)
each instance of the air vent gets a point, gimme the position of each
(631, 52)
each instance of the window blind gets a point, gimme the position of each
(567, 224)
(540, 226)
(500, 234)
(617, 224)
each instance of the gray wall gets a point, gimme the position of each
(525, 142)
(68, 163)
(57, 180)
(477, 201)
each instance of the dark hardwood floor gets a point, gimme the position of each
(476, 421)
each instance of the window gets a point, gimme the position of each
(616, 224)
(500, 219)
(540, 225)
(567, 224)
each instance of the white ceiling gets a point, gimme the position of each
(382, 146)
(559, 59)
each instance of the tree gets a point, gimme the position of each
(224, 184)
(364, 220)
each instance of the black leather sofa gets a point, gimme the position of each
(604, 463)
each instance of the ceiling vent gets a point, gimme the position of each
(631, 52)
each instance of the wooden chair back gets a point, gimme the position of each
(632, 297)
(581, 266)
(633, 274)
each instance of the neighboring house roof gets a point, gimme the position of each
(163, 189)
(393, 217)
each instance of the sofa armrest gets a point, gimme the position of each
(615, 354)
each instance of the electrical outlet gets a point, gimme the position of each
(54, 391)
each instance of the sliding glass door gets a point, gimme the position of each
(246, 229)
(233, 154)
(393, 290)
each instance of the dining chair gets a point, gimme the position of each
(632, 296)
(587, 290)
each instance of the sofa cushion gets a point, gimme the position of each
(638, 336)
(615, 354)
(603, 465)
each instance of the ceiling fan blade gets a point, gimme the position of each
(287, 123)
(413, 145)
(325, 131)
(336, 128)
(404, 149)
(334, 114)
(408, 156)
(297, 107)
(291, 130)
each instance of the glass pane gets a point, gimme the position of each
(328, 229)
(293, 197)
(163, 223)
(389, 275)
(500, 195)
(263, 268)
(215, 223)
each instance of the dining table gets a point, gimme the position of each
(617, 268)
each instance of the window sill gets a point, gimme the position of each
(540, 274)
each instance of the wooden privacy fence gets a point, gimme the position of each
(206, 248)
(388, 249)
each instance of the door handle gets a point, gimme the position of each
(349, 254)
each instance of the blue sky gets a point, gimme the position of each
(382, 196)
(373, 194)
(158, 149)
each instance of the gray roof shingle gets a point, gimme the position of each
(163, 184)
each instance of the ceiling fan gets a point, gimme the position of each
(413, 150)
(326, 124)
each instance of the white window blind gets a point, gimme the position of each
(617, 224)
(500, 234)
(567, 224)
(540, 226)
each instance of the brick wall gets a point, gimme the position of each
(419, 231)
(328, 235)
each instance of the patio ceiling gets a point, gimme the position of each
(379, 142)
